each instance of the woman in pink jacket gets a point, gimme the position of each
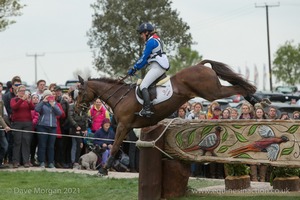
(97, 113)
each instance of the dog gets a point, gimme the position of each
(89, 160)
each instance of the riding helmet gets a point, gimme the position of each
(145, 27)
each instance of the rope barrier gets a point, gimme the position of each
(64, 135)
(152, 144)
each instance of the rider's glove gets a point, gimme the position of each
(131, 71)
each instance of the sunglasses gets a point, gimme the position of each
(17, 84)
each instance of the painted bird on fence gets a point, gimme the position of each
(269, 145)
(209, 143)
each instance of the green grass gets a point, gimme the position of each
(36, 185)
(48, 185)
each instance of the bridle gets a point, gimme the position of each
(84, 94)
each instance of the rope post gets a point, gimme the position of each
(150, 165)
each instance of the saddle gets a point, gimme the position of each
(152, 88)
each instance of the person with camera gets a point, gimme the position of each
(48, 110)
(21, 106)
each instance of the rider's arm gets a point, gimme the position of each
(150, 45)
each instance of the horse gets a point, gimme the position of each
(190, 82)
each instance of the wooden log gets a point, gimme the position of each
(175, 178)
(286, 183)
(237, 182)
(150, 165)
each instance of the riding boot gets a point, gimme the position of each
(253, 173)
(146, 112)
(262, 173)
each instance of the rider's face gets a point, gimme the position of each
(144, 36)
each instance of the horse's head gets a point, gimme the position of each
(85, 95)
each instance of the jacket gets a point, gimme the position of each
(21, 110)
(97, 117)
(47, 114)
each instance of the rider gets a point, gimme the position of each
(155, 58)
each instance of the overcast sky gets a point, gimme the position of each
(230, 31)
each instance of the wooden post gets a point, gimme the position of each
(175, 178)
(150, 165)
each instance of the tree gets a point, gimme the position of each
(185, 57)
(113, 36)
(287, 63)
(9, 8)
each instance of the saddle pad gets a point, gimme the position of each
(164, 92)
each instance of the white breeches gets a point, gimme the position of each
(155, 71)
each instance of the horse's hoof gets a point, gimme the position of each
(102, 171)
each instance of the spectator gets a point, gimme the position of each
(296, 115)
(21, 106)
(3, 140)
(98, 113)
(51, 87)
(234, 114)
(41, 86)
(259, 114)
(246, 112)
(58, 142)
(284, 116)
(195, 113)
(272, 113)
(217, 112)
(181, 113)
(65, 127)
(106, 133)
(15, 82)
(34, 140)
(78, 121)
(225, 114)
(48, 110)
(202, 115)
(210, 109)
(187, 108)
(8, 87)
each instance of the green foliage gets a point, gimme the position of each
(8, 8)
(237, 169)
(284, 172)
(113, 36)
(184, 58)
(287, 63)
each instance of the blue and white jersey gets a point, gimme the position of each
(153, 52)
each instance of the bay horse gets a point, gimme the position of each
(194, 81)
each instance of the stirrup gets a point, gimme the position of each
(146, 113)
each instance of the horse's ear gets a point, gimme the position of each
(81, 81)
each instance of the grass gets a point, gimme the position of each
(48, 185)
(36, 185)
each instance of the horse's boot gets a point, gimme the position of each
(146, 112)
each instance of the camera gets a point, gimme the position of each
(50, 98)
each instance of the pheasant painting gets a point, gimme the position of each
(209, 143)
(269, 143)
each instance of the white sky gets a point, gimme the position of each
(230, 31)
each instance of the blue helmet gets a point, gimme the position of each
(145, 27)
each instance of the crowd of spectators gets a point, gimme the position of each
(42, 128)
(195, 111)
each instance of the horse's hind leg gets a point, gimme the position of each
(224, 91)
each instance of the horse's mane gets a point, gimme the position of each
(107, 80)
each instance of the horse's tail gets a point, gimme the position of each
(226, 73)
